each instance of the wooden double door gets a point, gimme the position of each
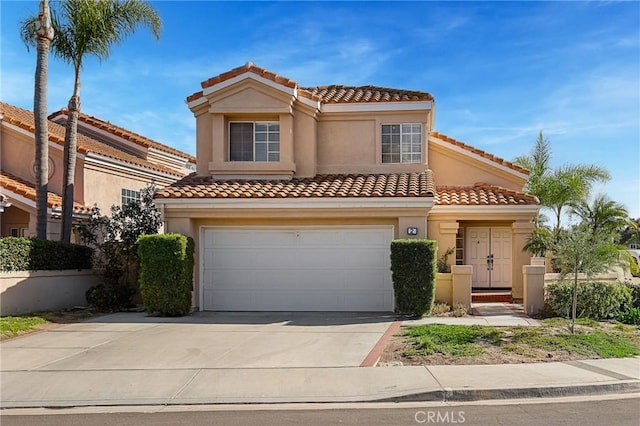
(489, 251)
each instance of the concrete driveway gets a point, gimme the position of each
(205, 340)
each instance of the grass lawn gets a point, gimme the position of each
(552, 341)
(12, 326)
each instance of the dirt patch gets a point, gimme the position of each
(507, 352)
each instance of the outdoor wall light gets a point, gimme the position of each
(412, 231)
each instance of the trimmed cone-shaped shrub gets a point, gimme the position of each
(166, 273)
(413, 271)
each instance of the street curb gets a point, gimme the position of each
(463, 395)
(443, 395)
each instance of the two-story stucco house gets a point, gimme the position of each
(300, 190)
(112, 165)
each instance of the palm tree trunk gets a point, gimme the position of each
(44, 36)
(70, 148)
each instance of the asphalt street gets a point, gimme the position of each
(618, 410)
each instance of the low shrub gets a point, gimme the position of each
(440, 308)
(413, 270)
(33, 254)
(166, 273)
(630, 316)
(110, 296)
(596, 300)
(635, 293)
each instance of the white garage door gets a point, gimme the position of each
(319, 269)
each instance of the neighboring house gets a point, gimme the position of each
(300, 190)
(112, 165)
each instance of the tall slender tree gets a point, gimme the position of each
(558, 188)
(40, 32)
(602, 214)
(83, 28)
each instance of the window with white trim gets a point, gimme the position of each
(254, 141)
(129, 196)
(402, 143)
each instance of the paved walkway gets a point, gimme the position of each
(493, 314)
(108, 381)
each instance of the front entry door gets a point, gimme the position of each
(489, 251)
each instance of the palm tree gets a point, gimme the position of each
(602, 214)
(560, 187)
(91, 27)
(41, 34)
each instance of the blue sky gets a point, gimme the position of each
(500, 72)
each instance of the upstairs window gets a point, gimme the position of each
(129, 196)
(402, 143)
(254, 141)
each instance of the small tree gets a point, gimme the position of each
(116, 238)
(584, 250)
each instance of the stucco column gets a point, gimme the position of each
(533, 277)
(461, 284)
(32, 225)
(286, 139)
(447, 239)
(215, 140)
(521, 230)
(204, 149)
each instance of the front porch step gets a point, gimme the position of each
(491, 297)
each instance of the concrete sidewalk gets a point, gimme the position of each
(129, 359)
(297, 385)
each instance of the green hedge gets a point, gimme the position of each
(166, 273)
(32, 254)
(596, 300)
(413, 270)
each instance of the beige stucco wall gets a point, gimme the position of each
(13, 217)
(450, 168)
(104, 183)
(32, 291)
(17, 156)
(352, 142)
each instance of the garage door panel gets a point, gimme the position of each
(342, 269)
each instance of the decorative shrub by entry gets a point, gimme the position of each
(596, 300)
(33, 254)
(413, 270)
(166, 273)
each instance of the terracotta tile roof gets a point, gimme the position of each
(479, 152)
(125, 134)
(481, 194)
(321, 186)
(249, 67)
(28, 190)
(351, 94)
(325, 94)
(25, 120)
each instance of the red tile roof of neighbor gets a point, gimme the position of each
(321, 186)
(24, 119)
(479, 152)
(324, 94)
(28, 190)
(125, 134)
